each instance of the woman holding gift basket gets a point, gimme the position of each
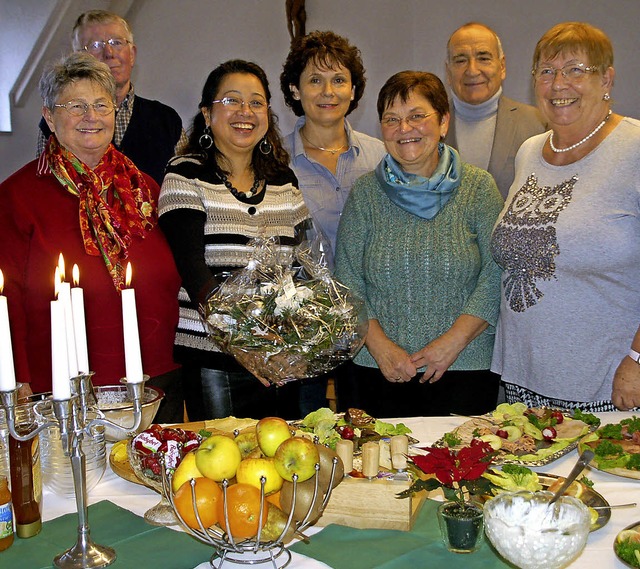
(232, 184)
(413, 242)
(88, 201)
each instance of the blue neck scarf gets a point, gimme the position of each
(420, 196)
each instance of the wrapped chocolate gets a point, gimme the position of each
(284, 317)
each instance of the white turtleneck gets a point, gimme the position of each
(475, 129)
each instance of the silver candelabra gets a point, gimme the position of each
(74, 424)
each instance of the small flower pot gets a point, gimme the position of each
(461, 526)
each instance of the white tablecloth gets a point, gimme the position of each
(597, 554)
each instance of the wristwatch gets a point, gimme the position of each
(635, 356)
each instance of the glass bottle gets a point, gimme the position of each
(6, 515)
(26, 481)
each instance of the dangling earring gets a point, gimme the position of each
(606, 97)
(206, 140)
(265, 146)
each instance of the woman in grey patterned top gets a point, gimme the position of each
(569, 238)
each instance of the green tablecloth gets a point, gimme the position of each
(342, 547)
(138, 545)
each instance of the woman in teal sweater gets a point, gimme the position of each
(413, 242)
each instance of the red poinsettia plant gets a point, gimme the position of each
(457, 472)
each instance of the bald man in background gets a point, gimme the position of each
(486, 127)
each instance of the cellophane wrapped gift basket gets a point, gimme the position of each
(283, 316)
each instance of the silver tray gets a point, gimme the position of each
(510, 459)
(635, 526)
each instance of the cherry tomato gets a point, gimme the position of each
(347, 432)
(558, 416)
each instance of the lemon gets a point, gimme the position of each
(576, 489)
(594, 516)
(119, 451)
(630, 534)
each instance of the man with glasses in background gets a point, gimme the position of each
(486, 127)
(147, 131)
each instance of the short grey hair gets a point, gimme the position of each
(97, 17)
(75, 66)
(470, 24)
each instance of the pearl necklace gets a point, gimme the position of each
(557, 150)
(237, 193)
(331, 150)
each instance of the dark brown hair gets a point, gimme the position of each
(403, 84)
(325, 49)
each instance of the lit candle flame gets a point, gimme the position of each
(76, 275)
(61, 266)
(128, 275)
(56, 282)
(1, 281)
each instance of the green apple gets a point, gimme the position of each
(252, 469)
(186, 470)
(297, 455)
(248, 443)
(270, 432)
(218, 457)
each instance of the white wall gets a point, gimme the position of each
(180, 42)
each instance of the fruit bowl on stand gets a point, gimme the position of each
(148, 468)
(267, 546)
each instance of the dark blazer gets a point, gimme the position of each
(515, 123)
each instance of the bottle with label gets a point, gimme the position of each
(6, 515)
(26, 481)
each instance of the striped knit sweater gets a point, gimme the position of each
(417, 275)
(209, 229)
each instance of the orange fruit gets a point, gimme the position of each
(274, 498)
(243, 511)
(208, 497)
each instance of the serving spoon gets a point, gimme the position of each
(585, 458)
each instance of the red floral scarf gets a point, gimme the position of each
(116, 203)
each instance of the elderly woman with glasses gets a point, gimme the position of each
(569, 238)
(86, 200)
(413, 243)
(233, 183)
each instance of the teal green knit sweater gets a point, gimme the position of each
(418, 275)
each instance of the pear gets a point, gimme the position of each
(276, 522)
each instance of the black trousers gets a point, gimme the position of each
(468, 392)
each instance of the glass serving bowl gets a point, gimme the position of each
(114, 402)
(146, 467)
(57, 474)
(532, 534)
